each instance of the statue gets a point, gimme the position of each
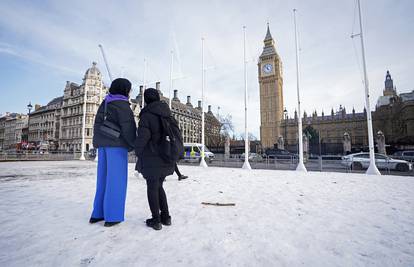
(281, 143)
(305, 147)
(381, 143)
(227, 148)
(346, 141)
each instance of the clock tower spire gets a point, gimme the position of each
(271, 92)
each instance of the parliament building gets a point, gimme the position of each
(393, 116)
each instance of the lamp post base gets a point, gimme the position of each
(372, 169)
(301, 167)
(246, 165)
(203, 163)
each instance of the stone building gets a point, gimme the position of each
(393, 116)
(72, 110)
(2, 125)
(271, 92)
(13, 125)
(189, 118)
(59, 123)
(44, 123)
(330, 128)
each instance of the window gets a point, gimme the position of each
(362, 156)
(378, 156)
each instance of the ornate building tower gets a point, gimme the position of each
(389, 85)
(73, 109)
(271, 93)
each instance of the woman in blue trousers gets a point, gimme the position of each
(114, 135)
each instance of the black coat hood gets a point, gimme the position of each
(150, 163)
(158, 108)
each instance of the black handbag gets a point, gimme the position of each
(108, 128)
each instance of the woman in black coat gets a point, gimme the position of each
(150, 164)
(113, 144)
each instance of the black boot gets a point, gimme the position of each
(95, 220)
(109, 224)
(166, 219)
(182, 177)
(154, 224)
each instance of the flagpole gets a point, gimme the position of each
(171, 78)
(372, 169)
(202, 160)
(144, 83)
(246, 164)
(301, 166)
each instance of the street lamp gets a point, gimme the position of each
(285, 113)
(85, 98)
(29, 107)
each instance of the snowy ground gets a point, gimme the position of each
(281, 218)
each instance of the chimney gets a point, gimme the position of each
(209, 108)
(199, 105)
(189, 101)
(157, 86)
(176, 96)
(141, 88)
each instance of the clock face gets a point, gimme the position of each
(267, 68)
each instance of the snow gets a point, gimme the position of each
(281, 218)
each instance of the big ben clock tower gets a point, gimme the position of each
(271, 93)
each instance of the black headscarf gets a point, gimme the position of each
(120, 86)
(151, 95)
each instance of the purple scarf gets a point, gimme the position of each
(110, 98)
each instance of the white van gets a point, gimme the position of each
(192, 152)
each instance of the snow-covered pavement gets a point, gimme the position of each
(281, 218)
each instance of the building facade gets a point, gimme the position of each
(271, 92)
(58, 125)
(12, 132)
(73, 108)
(393, 116)
(189, 119)
(44, 124)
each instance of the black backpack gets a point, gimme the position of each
(171, 147)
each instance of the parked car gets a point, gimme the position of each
(253, 157)
(279, 154)
(359, 161)
(407, 155)
(192, 152)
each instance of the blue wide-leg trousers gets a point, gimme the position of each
(111, 184)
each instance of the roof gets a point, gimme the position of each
(56, 100)
(268, 35)
(93, 70)
(269, 48)
(407, 96)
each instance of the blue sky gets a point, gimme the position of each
(45, 43)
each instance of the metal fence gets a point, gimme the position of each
(325, 163)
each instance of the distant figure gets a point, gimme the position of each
(346, 140)
(114, 135)
(180, 176)
(157, 157)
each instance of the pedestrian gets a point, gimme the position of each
(114, 136)
(150, 149)
(180, 176)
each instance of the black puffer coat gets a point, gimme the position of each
(118, 112)
(149, 163)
